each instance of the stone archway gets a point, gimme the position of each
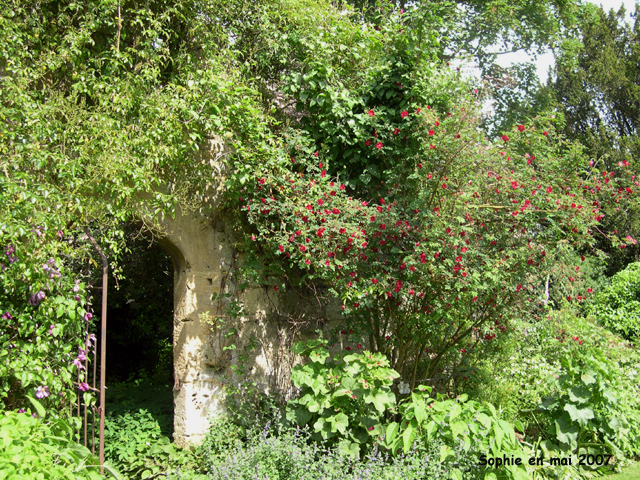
(205, 283)
(204, 267)
(201, 263)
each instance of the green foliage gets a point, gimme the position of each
(513, 374)
(596, 90)
(588, 414)
(476, 427)
(292, 455)
(44, 337)
(346, 400)
(425, 259)
(134, 443)
(138, 429)
(617, 306)
(33, 448)
(222, 437)
(349, 402)
(105, 105)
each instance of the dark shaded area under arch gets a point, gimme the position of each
(140, 314)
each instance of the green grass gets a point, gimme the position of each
(629, 473)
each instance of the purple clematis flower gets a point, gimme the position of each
(88, 316)
(36, 298)
(22, 410)
(42, 392)
(90, 340)
(78, 362)
(9, 251)
(7, 316)
(83, 387)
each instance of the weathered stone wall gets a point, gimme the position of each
(206, 284)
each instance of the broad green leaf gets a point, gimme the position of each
(38, 406)
(339, 422)
(445, 452)
(565, 431)
(458, 428)
(319, 355)
(392, 431)
(580, 415)
(579, 394)
(454, 412)
(408, 436)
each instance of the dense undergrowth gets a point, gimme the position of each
(559, 387)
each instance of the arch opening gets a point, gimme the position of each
(140, 312)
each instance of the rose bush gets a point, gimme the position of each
(432, 235)
(443, 256)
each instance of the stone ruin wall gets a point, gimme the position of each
(205, 267)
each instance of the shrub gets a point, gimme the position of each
(44, 340)
(292, 455)
(135, 444)
(617, 307)
(590, 413)
(348, 402)
(344, 400)
(33, 448)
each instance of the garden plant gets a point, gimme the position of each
(485, 266)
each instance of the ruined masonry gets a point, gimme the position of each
(205, 286)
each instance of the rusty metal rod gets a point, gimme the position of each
(93, 408)
(85, 414)
(103, 345)
(86, 372)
